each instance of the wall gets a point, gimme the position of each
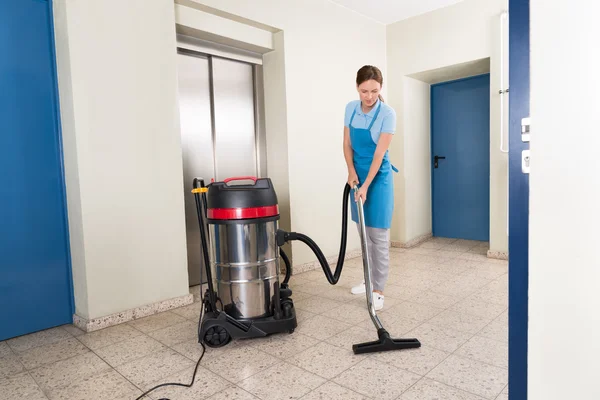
(458, 34)
(118, 86)
(118, 89)
(564, 263)
(417, 168)
(325, 45)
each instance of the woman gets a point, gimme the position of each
(369, 125)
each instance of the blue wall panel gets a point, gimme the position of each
(35, 271)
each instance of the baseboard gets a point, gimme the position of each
(498, 255)
(413, 242)
(95, 324)
(332, 261)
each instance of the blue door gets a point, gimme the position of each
(35, 273)
(518, 207)
(460, 145)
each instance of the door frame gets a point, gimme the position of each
(518, 238)
(431, 143)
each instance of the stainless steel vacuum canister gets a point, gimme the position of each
(244, 255)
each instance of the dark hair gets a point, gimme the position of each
(367, 73)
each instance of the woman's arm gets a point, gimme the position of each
(382, 146)
(348, 151)
(348, 155)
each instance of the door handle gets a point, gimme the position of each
(435, 160)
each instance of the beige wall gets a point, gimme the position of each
(416, 156)
(564, 261)
(118, 91)
(459, 34)
(118, 87)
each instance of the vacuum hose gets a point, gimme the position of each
(283, 237)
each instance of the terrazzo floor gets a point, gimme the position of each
(446, 293)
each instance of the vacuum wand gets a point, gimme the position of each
(366, 263)
(385, 342)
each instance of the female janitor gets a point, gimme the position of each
(369, 125)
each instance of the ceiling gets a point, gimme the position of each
(389, 11)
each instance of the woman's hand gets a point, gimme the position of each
(361, 193)
(352, 179)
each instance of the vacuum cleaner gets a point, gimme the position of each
(242, 251)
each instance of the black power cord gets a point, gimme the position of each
(175, 383)
(200, 221)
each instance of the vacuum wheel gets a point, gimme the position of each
(216, 336)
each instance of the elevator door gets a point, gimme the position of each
(218, 134)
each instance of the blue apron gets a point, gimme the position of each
(379, 206)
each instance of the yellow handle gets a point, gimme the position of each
(200, 190)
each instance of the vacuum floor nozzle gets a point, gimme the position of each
(385, 343)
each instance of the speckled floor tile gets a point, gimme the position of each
(333, 391)
(176, 334)
(485, 350)
(326, 360)
(303, 315)
(233, 393)
(487, 271)
(313, 287)
(356, 334)
(73, 330)
(485, 310)
(10, 364)
(5, 350)
(154, 367)
(109, 385)
(42, 338)
(63, 372)
(395, 326)
(281, 381)
(321, 328)
(499, 297)
(495, 330)
(341, 294)
(427, 389)
(192, 350)
(441, 338)
(284, 345)
(191, 312)
(20, 386)
(157, 321)
(239, 363)
(205, 384)
(460, 321)
(317, 305)
(376, 379)
(108, 336)
(437, 300)
(471, 376)
(130, 350)
(414, 311)
(418, 361)
(349, 313)
(396, 294)
(39, 356)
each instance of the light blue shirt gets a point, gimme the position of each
(385, 122)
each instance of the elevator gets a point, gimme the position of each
(221, 124)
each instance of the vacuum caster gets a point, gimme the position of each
(216, 336)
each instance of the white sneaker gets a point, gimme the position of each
(378, 301)
(359, 289)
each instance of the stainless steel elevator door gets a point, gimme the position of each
(235, 147)
(197, 147)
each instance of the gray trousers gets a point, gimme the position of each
(378, 244)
